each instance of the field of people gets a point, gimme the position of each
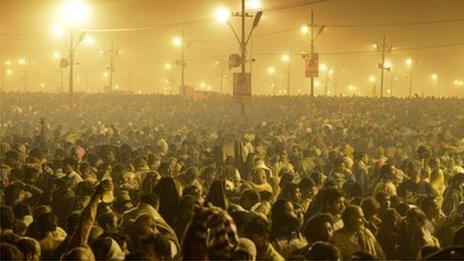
(152, 177)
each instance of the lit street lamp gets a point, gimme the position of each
(23, 62)
(372, 82)
(72, 13)
(168, 68)
(410, 64)
(434, 78)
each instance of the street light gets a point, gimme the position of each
(409, 63)
(25, 64)
(177, 41)
(168, 67)
(56, 55)
(71, 13)
(74, 12)
(434, 78)
(286, 59)
(7, 63)
(304, 29)
(222, 14)
(271, 71)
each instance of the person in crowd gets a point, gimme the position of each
(258, 230)
(354, 236)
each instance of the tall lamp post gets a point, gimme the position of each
(72, 14)
(434, 78)
(23, 62)
(410, 64)
(168, 68)
(286, 59)
(271, 71)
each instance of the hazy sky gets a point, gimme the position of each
(26, 32)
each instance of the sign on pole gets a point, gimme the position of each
(242, 84)
(311, 65)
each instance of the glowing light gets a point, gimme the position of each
(7, 63)
(271, 70)
(409, 62)
(222, 14)
(323, 67)
(116, 87)
(74, 12)
(285, 58)
(253, 5)
(167, 66)
(202, 85)
(58, 31)
(352, 87)
(434, 77)
(387, 64)
(371, 79)
(56, 55)
(42, 85)
(331, 71)
(9, 71)
(89, 40)
(105, 74)
(374, 46)
(458, 82)
(22, 61)
(317, 83)
(177, 41)
(304, 29)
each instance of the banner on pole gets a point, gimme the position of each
(242, 84)
(311, 65)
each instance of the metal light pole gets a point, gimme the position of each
(312, 50)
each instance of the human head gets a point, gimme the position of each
(155, 247)
(319, 228)
(106, 248)
(291, 192)
(284, 219)
(107, 221)
(258, 230)
(6, 218)
(323, 251)
(248, 198)
(307, 188)
(353, 218)
(387, 172)
(46, 223)
(259, 176)
(332, 201)
(10, 252)
(370, 206)
(30, 248)
(383, 199)
(458, 237)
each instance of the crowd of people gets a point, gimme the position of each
(149, 177)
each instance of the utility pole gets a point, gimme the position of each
(221, 76)
(383, 49)
(182, 90)
(25, 77)
(312, 50)
(71, 67)
(383, 67)
(288, 77)
(112, 52)
(410, 79)
(243, 43)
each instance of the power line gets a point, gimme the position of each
(443, 21)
